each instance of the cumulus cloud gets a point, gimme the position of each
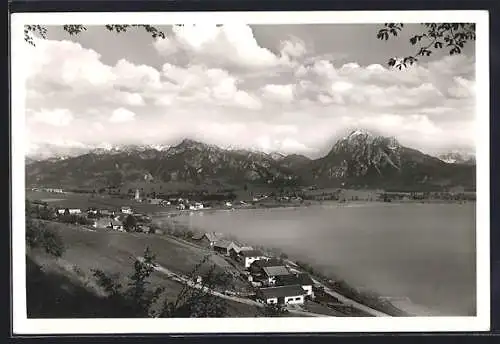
(225, 86)
(282, 93)
(228, 46)
(122, 115)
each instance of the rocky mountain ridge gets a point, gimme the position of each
(361, 159)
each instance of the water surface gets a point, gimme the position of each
(424, 252)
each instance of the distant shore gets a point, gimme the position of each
(296, 205)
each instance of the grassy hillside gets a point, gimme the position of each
(65, 287)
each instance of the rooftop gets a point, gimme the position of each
(251, 253)
(283, 280)
(276, 270)
(267, 263)
(282, 291)
(223, 243)
(198, 236)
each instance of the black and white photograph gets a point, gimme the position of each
(203, 170)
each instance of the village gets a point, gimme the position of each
(269, 280)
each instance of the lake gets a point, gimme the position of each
(423, 252)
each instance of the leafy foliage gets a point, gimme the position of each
(130, 224)
(37, 233)
(138, 299)
(73, 30)
(39, 236)
(435, 36)
(198, 302)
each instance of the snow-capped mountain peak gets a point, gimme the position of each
(458, 157)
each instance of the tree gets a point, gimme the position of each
(39, 236)
(72, 30)
(434, 36)
(130, 224)
(138, 299)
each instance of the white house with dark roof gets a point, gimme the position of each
(282, 295)
(117, 225)
(302, 279)
(126, 210)
(250, 256)
(273, 272)
(72, 211)
(224, 246)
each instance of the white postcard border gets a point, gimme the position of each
(22, 325)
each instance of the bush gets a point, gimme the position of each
(138, 299)
(38, 236)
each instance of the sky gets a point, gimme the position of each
(275, 88)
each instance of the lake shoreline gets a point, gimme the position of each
(306, 204)
(366, 298)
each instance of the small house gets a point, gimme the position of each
(273, 272)
(116, 225)
(207, 239)
(250, 256)
(224, 246)
(257, 266)
(72, 211)
(106, 212)
(126, 210)
(302, 279)
(282, 295)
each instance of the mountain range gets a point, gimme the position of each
(360, 159)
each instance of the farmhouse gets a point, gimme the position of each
(157, 201)
(106, 212)
(72, 211)
(92, 211)
(126, 210)
(54, 190)
(116, 225)
(302, 279)
(257, 266)
(224, 246)
(273, 272)
(250, 256)
(283, 295)
(207, 239)
(196, 206)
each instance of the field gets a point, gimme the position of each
(85, 201)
